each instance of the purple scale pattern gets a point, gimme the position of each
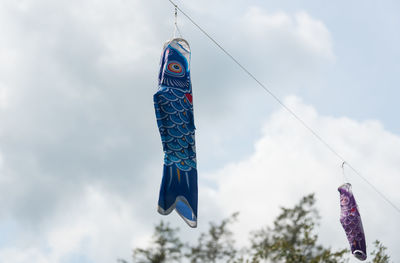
(351, 221)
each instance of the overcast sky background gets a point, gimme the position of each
(80, 154)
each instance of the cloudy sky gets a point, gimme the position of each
(80, 154)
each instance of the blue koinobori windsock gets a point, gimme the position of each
(351, 221)
(174, 112)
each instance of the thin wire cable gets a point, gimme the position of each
(287, 108)
(176, 28)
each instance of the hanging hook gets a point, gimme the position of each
(176, 28)
(344, 175)
(176, 20)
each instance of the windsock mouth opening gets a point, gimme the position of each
(182, 41)
(345, 187)
(360, 255)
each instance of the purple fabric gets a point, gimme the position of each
(351, 221)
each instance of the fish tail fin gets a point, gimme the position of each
(179, 191)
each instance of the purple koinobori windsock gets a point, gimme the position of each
(351, 221)
(174, 113)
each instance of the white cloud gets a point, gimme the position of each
(3, 96)
(284, 50)
(299, 29)
(15, 255)
(80, 156)
(100, 227)
(288, 163)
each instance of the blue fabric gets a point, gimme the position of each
(174, 112)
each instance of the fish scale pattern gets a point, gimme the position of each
(176, 125)
(350, 219)
(174, 113)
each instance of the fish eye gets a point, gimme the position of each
(175, 68)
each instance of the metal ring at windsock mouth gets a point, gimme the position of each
(360, 255)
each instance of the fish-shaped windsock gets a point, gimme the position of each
(174, 113)
(351, 221)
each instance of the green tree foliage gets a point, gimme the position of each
(166, 246)
(291, 239)
(215, 246)
(379, 253)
